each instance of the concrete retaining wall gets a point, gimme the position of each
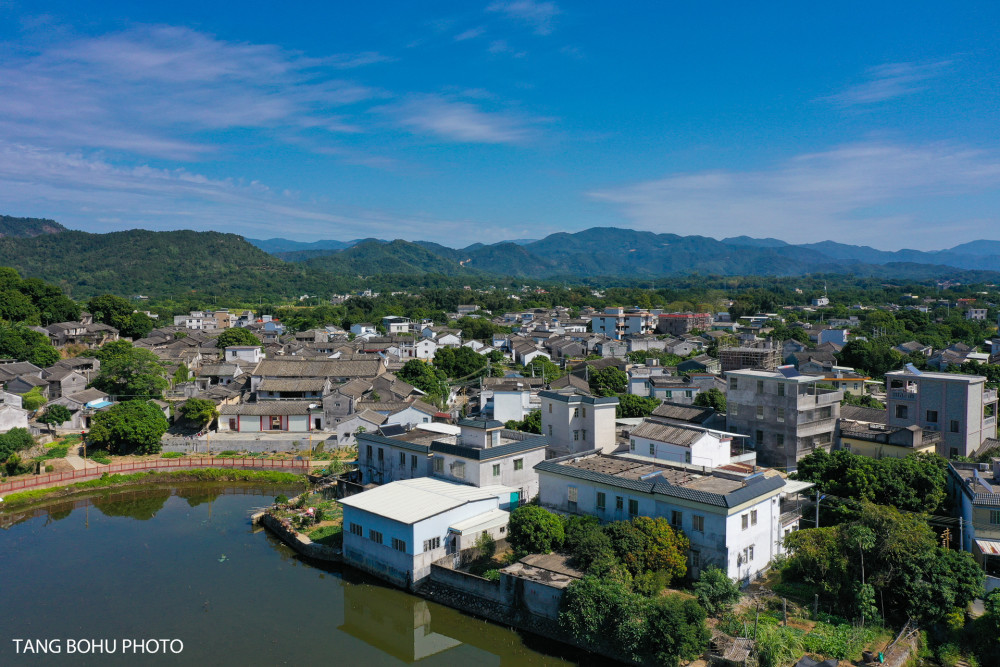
(443, 574)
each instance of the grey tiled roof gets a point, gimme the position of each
(755, 487)
(392, 442)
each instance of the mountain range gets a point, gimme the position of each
(625, 252)
(188, 262)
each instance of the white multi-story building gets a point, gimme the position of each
(733, 516)
(575, 421)
(669, 441)
(618, 322)
(960, 407)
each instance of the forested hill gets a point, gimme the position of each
(20, 227)
(157, 263)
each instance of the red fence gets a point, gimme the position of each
(63, 478)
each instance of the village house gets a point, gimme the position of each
(576, 421)
(735, 517)
(397, 530)
(12, 415)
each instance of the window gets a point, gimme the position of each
(695, 559)
(698, 523)
(398, 545)
(676, 519)
(955, 426)
(583, 434)
(760, 386)
(901, 412)
(433, 543)
(381, 454)
(668, 394)
(619, 503)
(732, 383)
(550, 430)
(518, 464)
(602, 500)
(576, 412)
(687, 457)
(631, 444)
(753, 517)
(745, 521)
(402, 459)
(571, 494)
(760, 412)
(550, 408)
(734, 409)
(652, 449)
(413, 461)
(781, 415)
(995, 517)
(779, 440)
(760, 437)
(496, 469)
(438, 464)
(458, 469)
(781, 389)
(584, 412)
(375, 536)
(356, 529)
(826, 413)
(576, 435)
(633, 507)
(368, 452)
(688, 393)
(749, 553)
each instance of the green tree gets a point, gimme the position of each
(129, 427)
(55, 414)
(608, 381)
(423, 376)
(130, 372)
(532, 423)
(23, 344)
(13, 441)
(111, 310)
(17, 307)
(876, 357)
(676, 630)
(716, 592)
(33, 399)
(199, 410)
(458, 362)
(631, 406)
(58, 308)
(713, 398)
(535, 530)
(647, 544)
(182, 374)
(136, 325)
(862, 400)
(236, 336)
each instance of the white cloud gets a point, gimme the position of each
(75, 187)
(872, 193)
(888, 81)
(461, 121)
(166, 84)
(537, 15)
(471, 33)
(500, 46)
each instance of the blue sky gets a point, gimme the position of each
(464, 122)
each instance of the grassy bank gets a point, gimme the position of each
(107, 481)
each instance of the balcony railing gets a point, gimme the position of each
(903, 394)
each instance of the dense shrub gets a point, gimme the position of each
(715, 590)
(535, 530)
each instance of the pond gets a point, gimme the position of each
(183, 563)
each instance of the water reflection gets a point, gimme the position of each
(261, 604)
(398, 625)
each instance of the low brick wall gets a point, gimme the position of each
(199, 446)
